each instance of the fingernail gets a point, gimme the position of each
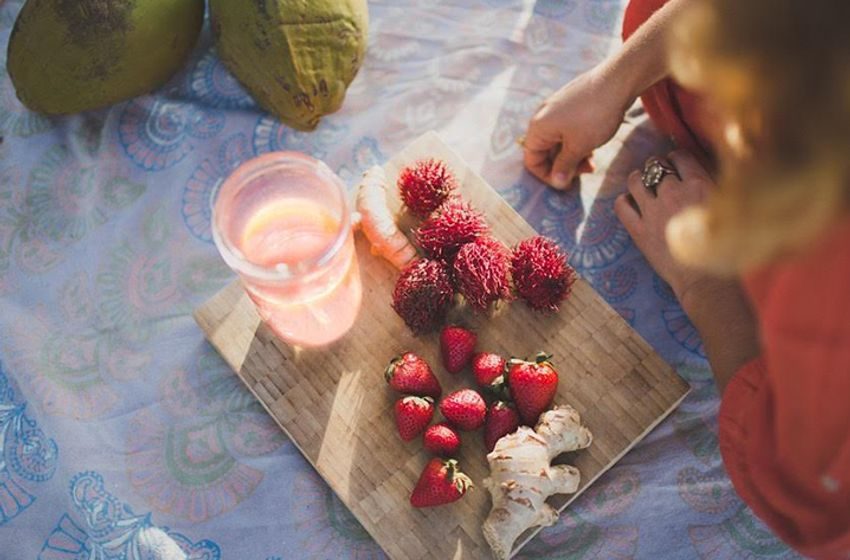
(560, 180)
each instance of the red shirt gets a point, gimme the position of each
(785, 417)
(784, 420)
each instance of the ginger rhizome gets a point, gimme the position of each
(522, 476)
(377, 221)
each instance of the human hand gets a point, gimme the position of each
(645, 215)
(571, 123)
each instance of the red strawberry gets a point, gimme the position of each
(441, 439)
(456, 346)
(412, 375)
(441, 482)
(487, 367)
(412, 415)
(465, 409)
(533, 386)
(502, 420)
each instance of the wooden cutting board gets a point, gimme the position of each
(335, 406)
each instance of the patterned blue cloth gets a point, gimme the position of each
(123, 435)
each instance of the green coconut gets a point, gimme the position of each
(295, 57)
(67, 56)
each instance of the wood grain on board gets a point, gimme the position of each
(334, 405)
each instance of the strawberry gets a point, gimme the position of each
(456, 346)
(533, 386)
(441, 482)
(412, 415)
(502, 420)
(487, 367)
(441, 439)
(464, 409)
(412, 375)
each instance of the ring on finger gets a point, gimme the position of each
(654, 171)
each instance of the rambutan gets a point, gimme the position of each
(541, 274)
(454, 224)
(423, 294)
(425, 185)
(482, 272)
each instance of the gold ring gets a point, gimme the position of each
(521, 141)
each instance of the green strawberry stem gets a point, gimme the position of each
(542, 358)
(388, 373)
(539, 358)
(419, 400)
(456, 477)
(498, 389)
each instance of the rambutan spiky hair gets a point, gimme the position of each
(425, 185)
(423, 294)
(454, 224)
(482, 272)
(541, 274)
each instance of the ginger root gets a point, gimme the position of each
(521, 476)
(378, 223)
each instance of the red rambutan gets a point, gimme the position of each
(541, 274)
(454, 224)
(423, 294)
(482, 272)
(425, 185)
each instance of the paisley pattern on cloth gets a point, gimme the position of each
(272, 136)
(101, 526)
(105, 250)
(157, 134)
(739, 537)
(15, 120)
(27, 456)
(326, 528)
(188, 460)
(212, 85)
(207, 177)
(581, 534)
(58, 202)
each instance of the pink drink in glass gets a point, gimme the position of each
(282, 222)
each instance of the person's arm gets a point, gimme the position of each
(717, 307)
(783, 423)
(642, 61)
(722, 315)
(586, 113)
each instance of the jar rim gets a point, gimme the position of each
(244, 174)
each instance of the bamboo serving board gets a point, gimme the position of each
(334, 405)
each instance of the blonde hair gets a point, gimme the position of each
(778, 71)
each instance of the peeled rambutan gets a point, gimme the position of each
(541, 274)
(425, 185)
(482, 272)
(454, 224)
(423, 294)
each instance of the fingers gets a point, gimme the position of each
(638, 192)
(538, 163)
(586, 166)
(538, 150)
(628, 214)
(563, 168)
(556, 170)
(687, 164)
(550, 160)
